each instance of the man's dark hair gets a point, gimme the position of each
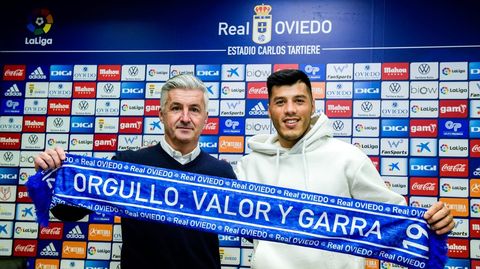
(287, 77)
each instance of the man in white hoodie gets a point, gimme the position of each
(303, 155)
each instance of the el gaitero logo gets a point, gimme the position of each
(40, 22)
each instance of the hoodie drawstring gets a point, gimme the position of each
(305, 166)
(277, 165)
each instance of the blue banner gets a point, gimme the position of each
(393, 233)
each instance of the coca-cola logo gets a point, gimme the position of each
(14, 73)
(30, 248)
(51, 231)
(476, 148)
(210, 126)
(261, 90)
(429, 186)
(454, 168)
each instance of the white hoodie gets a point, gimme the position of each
(317, 163)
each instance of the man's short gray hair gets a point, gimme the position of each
(184, 81)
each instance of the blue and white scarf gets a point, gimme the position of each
(392, 233)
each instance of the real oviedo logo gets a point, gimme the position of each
(39, 23)
(264, 28)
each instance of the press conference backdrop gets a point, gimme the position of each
(399, 79)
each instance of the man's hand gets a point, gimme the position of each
(50, 159)
(439, 218)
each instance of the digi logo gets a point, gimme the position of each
(423, 167)
(474, 70)
(208, 72)
(209, 144)
(366, 90)
(61, 72)
(394, 128)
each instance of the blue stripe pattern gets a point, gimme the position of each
(393, 233)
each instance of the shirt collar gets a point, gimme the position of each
(177, 155)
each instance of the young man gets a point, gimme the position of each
(303, 155)
(184, 103)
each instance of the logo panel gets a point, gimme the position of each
(427, 186)
(14, 72)
(339, 108)
(109, 72)
(424, 71)
(423, 167)
(61, 72)
(231, 144)
(84, 89)
(395, 71)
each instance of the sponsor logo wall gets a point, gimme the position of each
(425, 157)
(418, 121)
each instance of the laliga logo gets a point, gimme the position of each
(444, 147)
(226, 90)
(40, 23)
(415, 109)
(475, 208)
(92, 250)
(444, 90)
(446, 187)
(359, 127)
(446, 71)
(23, 176)
(262, 24)
(415, 204)
(125, 107)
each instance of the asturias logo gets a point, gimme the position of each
(40, 22)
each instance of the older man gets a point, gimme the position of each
(184, 103)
